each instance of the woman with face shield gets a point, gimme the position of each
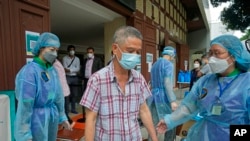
(39, 94)
(221, 98)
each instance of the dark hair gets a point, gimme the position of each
(198, 60)
(91, 48)
(71, 46)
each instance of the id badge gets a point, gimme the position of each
(45, 76)
(217, 108)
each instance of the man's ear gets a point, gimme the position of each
(114, 48)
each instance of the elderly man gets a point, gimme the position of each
(116, 94)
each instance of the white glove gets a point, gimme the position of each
(66, 125)
(174, 106)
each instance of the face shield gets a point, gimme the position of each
(247, 45)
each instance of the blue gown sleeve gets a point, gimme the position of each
(188, 108)
(168, 82)
(25, 93)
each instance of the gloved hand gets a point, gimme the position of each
(66, 125)
(174, 106)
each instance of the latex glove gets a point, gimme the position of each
(66, 125)
(174, 105)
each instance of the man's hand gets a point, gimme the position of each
(174, 106)
(161, 127)
(67, 70)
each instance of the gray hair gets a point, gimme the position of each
(124, 32)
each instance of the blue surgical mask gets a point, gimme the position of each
(128, 60)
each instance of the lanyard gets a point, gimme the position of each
(222, 90)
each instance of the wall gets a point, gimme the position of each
(198, 39)
(198, 42)
(169, 19)
(109, 30)
(16, 17)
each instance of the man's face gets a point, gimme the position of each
(132, 45)
(71, 49)
(90, 51)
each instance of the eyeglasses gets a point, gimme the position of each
(215, 53)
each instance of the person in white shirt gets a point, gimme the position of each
(71, 65)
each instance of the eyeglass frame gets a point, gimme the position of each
(216, 53)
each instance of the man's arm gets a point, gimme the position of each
(90, 124)
(146, 118)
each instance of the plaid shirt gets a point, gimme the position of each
(117, 112)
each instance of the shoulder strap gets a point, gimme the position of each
(71, 62)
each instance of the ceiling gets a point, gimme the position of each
(80, 22)
(194, 16)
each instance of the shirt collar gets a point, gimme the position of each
(42, 63)
(112, 73)
(236, 71)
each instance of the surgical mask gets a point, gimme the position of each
(72, 52)
(218, 65)
(90, 55)
(50, 56)
(196, 65)
(128, 60)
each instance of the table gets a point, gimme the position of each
(182, 83)
(182, 92)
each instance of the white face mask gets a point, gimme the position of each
(196, 65)
(72, 52)
(90, 55)
(218, 65)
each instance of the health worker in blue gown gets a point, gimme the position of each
(39, 94)
(163, 99)
(220, 99)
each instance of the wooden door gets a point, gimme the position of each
(16, 17)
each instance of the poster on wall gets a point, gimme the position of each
(31, 38)
(149, 61)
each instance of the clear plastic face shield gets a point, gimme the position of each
(247, 45)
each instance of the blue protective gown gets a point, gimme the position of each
(233, 97)
(162, 92)
(40, 103)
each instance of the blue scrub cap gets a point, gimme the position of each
(234, 46)
(168, 50)
(46, 39)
